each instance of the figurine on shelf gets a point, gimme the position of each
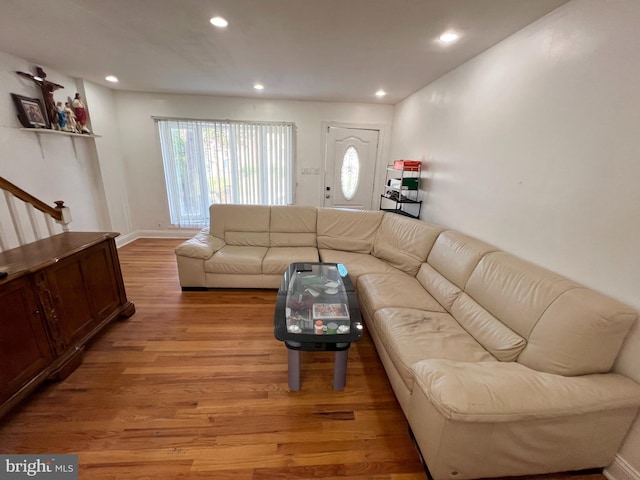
(62, 116)
(81, 114)
(50, 104)
(72, 124)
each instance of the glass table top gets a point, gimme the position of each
(317, 303)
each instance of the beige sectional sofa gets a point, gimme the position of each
(501, 367)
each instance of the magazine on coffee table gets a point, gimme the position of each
(330, 311)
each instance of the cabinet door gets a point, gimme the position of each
(85, 291)
(24, 350)
(99, 270)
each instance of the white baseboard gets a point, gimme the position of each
(185, 233)
(122, 240)
(621, 470)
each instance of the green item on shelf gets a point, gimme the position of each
(410, 183)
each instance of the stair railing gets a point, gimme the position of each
(30, 206)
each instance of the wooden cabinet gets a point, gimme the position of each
(59, 293)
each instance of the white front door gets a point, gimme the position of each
(350, 167)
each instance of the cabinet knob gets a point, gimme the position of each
(36, 312)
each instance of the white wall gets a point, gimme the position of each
(147, 195)
(533, 146)
(104, 122)
(61, 174)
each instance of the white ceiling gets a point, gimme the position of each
(327, 50)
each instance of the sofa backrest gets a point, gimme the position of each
(455, 255)
(347, 230)
(293, 226)
(521, 312)
(515, 291)
(580, 333)
(569, 329)
(246, 225)
(452, 260)
(404, 242)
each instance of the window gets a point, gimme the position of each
(212, 161)
(350, 173)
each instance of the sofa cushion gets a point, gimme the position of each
(499, 340)
(201, 246)
(357, 264)
(509, 392)
(246, 225)
(410, 335)
(383, 290)
(278, 259)
(455, 255)
(579, 333)
(235, 259)
(438, 287)
(514, 291)
(348, 230)
(404, 242)
(293, 226)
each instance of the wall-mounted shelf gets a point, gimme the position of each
(60, 132)
(47, 131)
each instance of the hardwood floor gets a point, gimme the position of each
(194, 385)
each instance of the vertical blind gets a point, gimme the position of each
(209, 161)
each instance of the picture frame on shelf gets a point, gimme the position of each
(30, 111)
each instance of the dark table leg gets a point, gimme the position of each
(294, 369)
(340, 370)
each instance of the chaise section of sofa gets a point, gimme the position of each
(493, 419)
(504, 365)
(501, 367)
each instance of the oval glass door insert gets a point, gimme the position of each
(350, 173)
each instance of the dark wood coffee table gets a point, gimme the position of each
(317, 310)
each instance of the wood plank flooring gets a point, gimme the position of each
(194, 385)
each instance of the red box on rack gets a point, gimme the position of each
(406, 165)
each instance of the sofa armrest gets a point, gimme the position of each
(509, 391)
(202, 246)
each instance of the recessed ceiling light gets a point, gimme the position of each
(380, 93)
(258, 86)
(111, 78)
(219, 22)
(449, 37)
